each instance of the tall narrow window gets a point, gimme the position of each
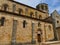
(36, 14)
(39, 24)
(2, 21)
(49, 27)
(5, 6)
(39, 38)
(40, 16)
(42, 7)
(26, 11)
(31, 14)
(14, 7)
(24, 24)
(20, 11)
(46, 8)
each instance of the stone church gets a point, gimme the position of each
(21, 24)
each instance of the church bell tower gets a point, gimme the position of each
(43, 7)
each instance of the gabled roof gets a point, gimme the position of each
(55, 12)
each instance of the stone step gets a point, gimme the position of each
(51, 43)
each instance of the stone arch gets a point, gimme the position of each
(5, 7)
(20, 11)
(31, 14)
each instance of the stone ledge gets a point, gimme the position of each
(52, 42)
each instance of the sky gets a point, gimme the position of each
(52, 4)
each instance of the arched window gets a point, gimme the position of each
(40, 16)
(39, 30)
(46, 8)
(49, 27)
(5, 7)
(20, 11)
(31, 14)
(26, 11)
(24, 23)
(14, 7)
(2, 21)
(39, 24)
(42, 7)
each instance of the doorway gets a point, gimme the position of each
(39, 35)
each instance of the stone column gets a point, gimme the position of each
(33, 40)
(13, 42)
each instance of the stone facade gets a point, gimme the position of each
(23, 27)
(56, 17)
(58, 33)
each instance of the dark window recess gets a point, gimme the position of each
(57, 21)
(14, 7)
(39, 37)
(39, 24)
(31, 14)
(5, 6)
(26, 11)
(24, 24)
(2, 21)
(57, 16)
(49, 27)
(40, 16)
(46, 8)
(20, 10)
(42, 7)
(36, 14)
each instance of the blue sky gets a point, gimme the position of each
(53, 4)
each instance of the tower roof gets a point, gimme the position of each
(42, 4)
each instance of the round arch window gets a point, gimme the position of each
(39, 31)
